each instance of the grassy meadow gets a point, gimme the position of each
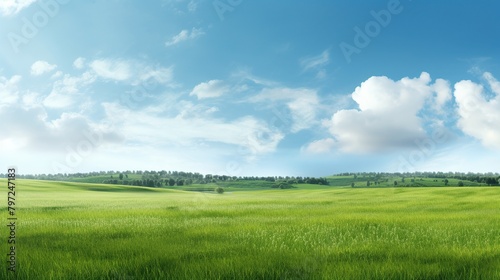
(92, 231)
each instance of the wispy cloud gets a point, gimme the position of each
(184, 35)
(210, 89)
(110, 69)
(12, 7)
(79, 63)
(129, 71)
(188, 129)
(315, 62)
(322, 146)
(9, 92)
(67, 91)
(302, 103)
(192, 6)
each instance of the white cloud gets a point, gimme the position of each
(181, 7)
(185, 110)
(303, 111)
(320, 146)
(154, 129)
(9, 91)
(210, 89)
(315, 62)
(12, 7)
(387, 117)
(68, 90)
(212, 110)
(57, 75)
(246, 75)
(35, 133)
(112, 69)
(32, 99)
(160, 75)
(192, 6)
(492, 82)
(79, 63)
(133, 72)
(479, 116)
(302, 103)
(59, 101)
(184, 35)
(443, 94)
(40, 67)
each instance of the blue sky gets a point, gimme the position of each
(243, 87)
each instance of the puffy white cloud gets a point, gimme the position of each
(210, 89)
(40, 67)
(443, 94)
(112, 69)
(388, 114)
(12, 7)
(184, 35)
(479, 116)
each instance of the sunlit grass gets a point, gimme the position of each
(84, 231)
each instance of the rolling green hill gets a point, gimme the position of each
(73, 230)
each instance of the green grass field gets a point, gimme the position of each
(90, 231)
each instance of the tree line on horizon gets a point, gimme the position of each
(489, 178)
(169, 178)
(180, 178)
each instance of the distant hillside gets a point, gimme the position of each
(203, 182)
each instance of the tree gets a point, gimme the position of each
(285, 185)
(171, 182)
(150, 183)
(121, 176)
(395, 183)
(446, 182)
(352, 185)
(282, 185)
(219, 190)
(367, 183)
(460, 183)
